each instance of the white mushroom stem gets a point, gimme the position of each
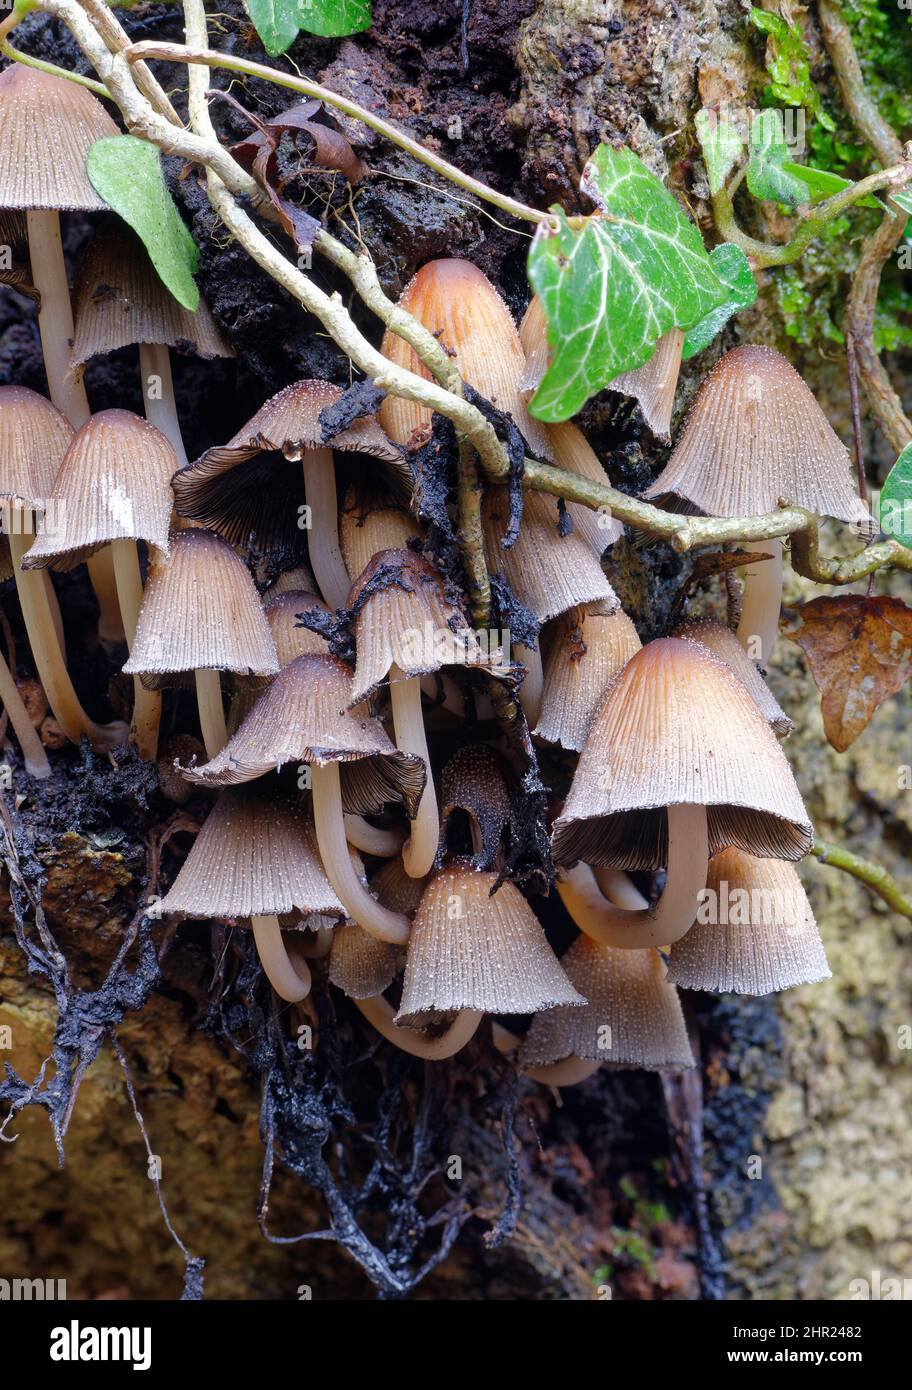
(675, 912)
(36, 761)
(380, 1013)
(570, 1072)
(158, 395)
(393, 927)
(146, 703)
(420, 850)
(290, 979)
(619, 888)
(55, 325)
(38, 617)
(323, 536)
(762, 601)
(383, 844)
(211, 711)
(530, 692)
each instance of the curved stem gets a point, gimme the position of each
(323, 536)
(532, 688)
(34, 756)
(383, 844)
(675, 912)
(569, 1072)
(393, 927)
(211, 711)
(146, 703)
(380, 1014)
(27, 61)
(420, 850)
(158, 395)
(619, 888)
(290, 979)
(758, 627)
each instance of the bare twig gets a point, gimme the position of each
(875, 877)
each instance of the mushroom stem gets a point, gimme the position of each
(380, 1013)
(419, 851)
(146, 703)
(290, 979)
(530, 692)
(158, 397)
(323, 536)
(55, 325)
(675, 912)
(393, 927)
(36, 762)
(383, 844)
(569, 1072)
(619, 888)
(211, 711)
(762, 601)
(38, 617)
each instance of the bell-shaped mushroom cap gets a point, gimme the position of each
(756, 437)
(470, 949)
(677, 727)
(473, 782)
(366, 530)
(395, 889)
(405, 615)
(361, 965)
(47, 126)
(34, 437)
(723, 643)
(298, 577)
(533, 337)
(759, 934)
(200, 611)
(254, 856)
(587, 649)
(304, 717)
(114, 483)
(119, 299)
(291, 638)
(548, 572)
(632, 1018)
(573, 453)
(654, 384)
(457, 302)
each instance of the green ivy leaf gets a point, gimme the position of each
(278, 22)
(127, 173)
(788, 64)
(896, 500)
(903, 200)
(766, 177)
(611, 284)
(822, 184)
(733, 269)
(721, 144)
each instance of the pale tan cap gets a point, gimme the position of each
(723, 643)
(47, 127)
(586, 651)
(34, 438)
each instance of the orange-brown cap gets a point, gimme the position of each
(533, 337)
(677, 727)
(755, 933)
(470, 949)
(304, 717)
(573, 453)
(632, 1018)
(723, 643)
(587, 649)
(114, 483)
(457, 302)
(47, 126)
(756, 437)
(290, 637)
(366, 530)
(200, 611)
(34, 437)
(361, 965)
(119, 299)
(653, 385)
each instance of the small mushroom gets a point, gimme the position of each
(587, 648)
(723, 643)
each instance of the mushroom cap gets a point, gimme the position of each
(573, 453)
(457, 302)
(533, 337)
(653, 385)
(200, 611)
(473, 781)
(548, 572)
(304, 716)
(773, 942)
(255, 855)
(298, 577)
(34, 437)
(359, 964)
(723, 643)
(587, 650)
(119, 299)
(677, 727)
(471, 950)
(47, 126)
(755, 437)
(633, 1016)
(114, 483)
(14, 236)
(396, 889)
(290, 637)
(364, 532)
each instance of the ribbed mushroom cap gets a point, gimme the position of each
(361, 965)
(533, 337)
(34, 437)
(406, 616)
(587, 650)
(299, 577)
(114, 483)
(47, 126)
(756, 437)
(291, 639)
(473, 782)
(548, 572)
(471, 950)
(305, 717)
(723, 643)
(676, 726)
(200, 611)
(363, 533)
(762, 936)
(396, 889)
(653, 385)
(255, 855)
(633, 1016)
(457, 302)
(119, 299)
(573, 453)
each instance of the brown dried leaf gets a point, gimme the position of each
(859, 650)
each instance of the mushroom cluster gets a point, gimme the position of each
(373, 810)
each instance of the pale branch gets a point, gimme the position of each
(872, 875)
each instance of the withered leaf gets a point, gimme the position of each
(859, 650)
